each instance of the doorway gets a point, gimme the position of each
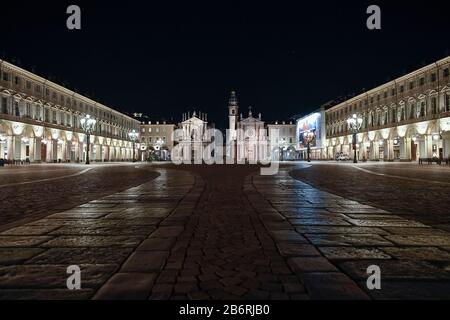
(43, 152)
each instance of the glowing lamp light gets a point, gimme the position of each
(421, 127)
(385, 133)
(88, 124)
(55, 134)
(38, 131)
(360, 138)
(17, 128)
(436, 136)
(133, 135)
(69, 136)
(396, 141)
(445, 124)
(401, 131)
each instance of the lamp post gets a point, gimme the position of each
(309, 136)
(88, 124)
(133, 137)
(354, 125)
(282, 146)
(159, 144)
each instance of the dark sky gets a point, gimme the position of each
(166, 57)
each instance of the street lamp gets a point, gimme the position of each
(159, 144)
(133, 137)
(282, 146)
(88, 124)
(354, 125)
(309, 136)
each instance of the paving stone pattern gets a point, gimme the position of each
(224, 233)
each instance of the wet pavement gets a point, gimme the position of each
(417, 192)
(224, 232)
(32, 191)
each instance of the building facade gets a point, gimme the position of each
(40, 122)
(245, 134)
(156, 139)
(250, 133)
(405, 119)
(192, 137)
(282, 135)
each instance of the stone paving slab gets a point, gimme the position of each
(396, 270)
(130, 286)
(204, 232)
(100, 237)
(51, 276)
(78, 256)
(344, 237)
(14, 256)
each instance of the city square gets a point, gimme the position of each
(225, 161)
(226, 232)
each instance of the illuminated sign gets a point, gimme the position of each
(308, 130)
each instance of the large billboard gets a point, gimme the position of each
(308, 128)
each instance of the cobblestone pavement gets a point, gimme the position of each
(415, 192)
(224, 232)
(26, 193)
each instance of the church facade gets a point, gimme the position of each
(247, 136)
(192, 137)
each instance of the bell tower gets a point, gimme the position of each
(233, 109)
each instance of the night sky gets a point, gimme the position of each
(167, 57)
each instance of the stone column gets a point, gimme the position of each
(2, 149)
(37, 149)
(63, 154)
(91, 152)
(390, 148)
(106, 158)
(408, 148)
(32, 145)
(429, 141)
(69, 151)
(10, 148)
(79, 153)
(48, 155)
(17, 147)
(98, 152)
(54, 149)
